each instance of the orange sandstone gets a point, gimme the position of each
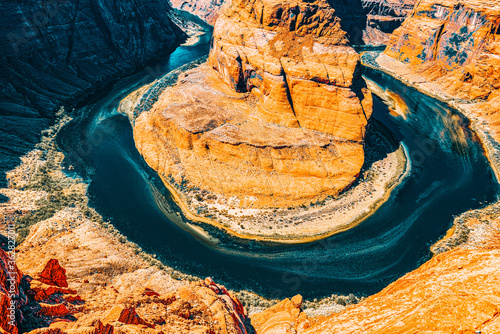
(276, 118)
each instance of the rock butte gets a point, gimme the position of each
(277, 116)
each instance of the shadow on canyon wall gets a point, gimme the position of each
(353, 18)
(55, 52)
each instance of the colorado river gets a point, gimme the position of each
(449, 175)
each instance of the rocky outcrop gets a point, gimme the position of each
(10, 287)
(26, 304)
(276, 118)
(451, 49)
(55, 52)
(284, 317)
(54, 274)
(103, 284)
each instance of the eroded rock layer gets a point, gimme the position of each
(383, 17)
(276, 118)
(454, 43)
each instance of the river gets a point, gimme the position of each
(449, 175)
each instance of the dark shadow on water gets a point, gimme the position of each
(3, 198)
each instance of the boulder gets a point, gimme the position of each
(54, 274)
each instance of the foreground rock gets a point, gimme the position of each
(276, 118)
(110, 288)
(26, 304)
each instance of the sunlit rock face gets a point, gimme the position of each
(277, 116)
(294, 56)
(54, 52)
(454, 43)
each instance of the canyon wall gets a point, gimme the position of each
(455, 44)
(367, 21)
(277, 116)
(54, 52)
(451, 48)
(207, 10)
(383, 17)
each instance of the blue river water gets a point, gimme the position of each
(449, 176)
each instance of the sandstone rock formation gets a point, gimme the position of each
(276, 118)
(451, 48)
(284, 317)
(54, 52)
(103, 285)
(26, 304)
(10, 281)
(54, 274)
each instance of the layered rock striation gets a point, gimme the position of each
(454, 44)
(276, 117)
(54, 52)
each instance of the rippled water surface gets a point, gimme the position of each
(449, 176)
